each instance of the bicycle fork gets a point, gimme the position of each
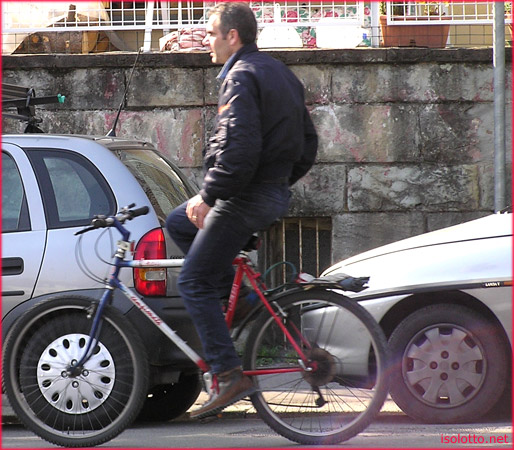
(96, 311)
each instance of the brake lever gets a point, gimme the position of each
(101, 222)
(96, 222)
(84, 230)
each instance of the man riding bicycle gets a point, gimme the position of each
(262, 143)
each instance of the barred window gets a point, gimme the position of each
(304, 242)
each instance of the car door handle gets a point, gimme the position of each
(12, 266)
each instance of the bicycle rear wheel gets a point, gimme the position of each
(74, 411)
(347, 351)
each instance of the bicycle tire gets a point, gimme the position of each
(347, 389)
(82, 411)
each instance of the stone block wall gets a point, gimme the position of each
(406, 135)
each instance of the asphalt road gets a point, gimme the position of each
(388, 431)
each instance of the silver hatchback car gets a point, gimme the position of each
(444, 299)
(51, 187)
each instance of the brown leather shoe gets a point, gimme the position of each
(226, 388)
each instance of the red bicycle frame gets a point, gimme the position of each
(242, 269)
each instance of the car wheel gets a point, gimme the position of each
(169, 401)
(451, 364)
(81, 409)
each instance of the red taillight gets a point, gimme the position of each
(151, 282)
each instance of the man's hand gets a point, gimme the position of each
(196, 210)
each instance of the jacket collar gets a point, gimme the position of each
(248, 48)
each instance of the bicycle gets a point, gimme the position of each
(317, 358)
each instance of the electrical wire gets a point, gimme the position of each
(287, 263)
(97, 252)
(81, 261)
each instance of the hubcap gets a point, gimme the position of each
(84, 392)
(444, 366)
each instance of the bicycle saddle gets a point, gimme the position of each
(253, 243)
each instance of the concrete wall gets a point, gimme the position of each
(406, 135)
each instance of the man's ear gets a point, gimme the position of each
(233, 37)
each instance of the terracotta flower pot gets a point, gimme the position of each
(434, 36)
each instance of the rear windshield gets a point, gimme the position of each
(162, 183)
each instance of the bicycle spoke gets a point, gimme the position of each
(341, 389)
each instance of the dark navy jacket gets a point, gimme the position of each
(263, 131)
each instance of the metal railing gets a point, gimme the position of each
(318, 23)
(26, 17)
(454, 13)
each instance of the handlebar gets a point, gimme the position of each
(125, 214)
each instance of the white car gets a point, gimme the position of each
(444, 300)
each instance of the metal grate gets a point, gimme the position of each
(304, 242)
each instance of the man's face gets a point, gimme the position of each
(220, 47)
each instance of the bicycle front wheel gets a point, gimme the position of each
(74, 411)
(342, 387)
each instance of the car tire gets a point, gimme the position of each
(81, 410)
(169, 401)
(450, 364)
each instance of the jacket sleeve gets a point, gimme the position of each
(235, 149)
(310, 149)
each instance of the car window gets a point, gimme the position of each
(72, 187)
(161, 183)
(15, 215)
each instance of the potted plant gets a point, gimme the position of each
(433, 35)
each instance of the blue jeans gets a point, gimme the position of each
(207, 274)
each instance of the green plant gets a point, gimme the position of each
(276, 354)
(425, 8)
(398, 9)
(432, 8)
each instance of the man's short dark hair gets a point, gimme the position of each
(238, 16)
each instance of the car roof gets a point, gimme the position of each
(107, 141)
